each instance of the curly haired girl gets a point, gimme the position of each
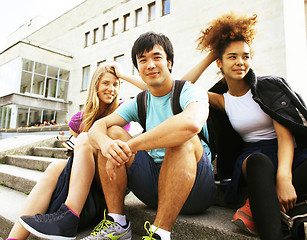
(253, 134)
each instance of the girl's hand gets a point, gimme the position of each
(117, 68)
(285, 192)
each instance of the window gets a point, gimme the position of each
(105, 31)
(151, 11)
(101, 62)
(115, 27)
(120, 59)
(166, 8)
(127, 22)
(46, 81)
(138, 17)
(86, 39)
(95, 37)
(85, 78)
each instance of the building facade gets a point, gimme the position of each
(45, 75)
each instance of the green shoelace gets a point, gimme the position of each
(104, 224)
(149, 231)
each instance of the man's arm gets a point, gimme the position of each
(174, 131)
(115, 151)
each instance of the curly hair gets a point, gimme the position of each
(226, 29)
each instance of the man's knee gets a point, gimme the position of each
(117, 132)
(192, 147)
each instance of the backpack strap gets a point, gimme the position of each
(142, 108)
(176, 91)
(175, 101)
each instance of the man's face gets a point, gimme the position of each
(154, 67)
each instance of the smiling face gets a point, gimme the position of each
(108, 88)
(153, 66)
(236, 61)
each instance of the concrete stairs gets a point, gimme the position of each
(21, 168)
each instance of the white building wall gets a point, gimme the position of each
(271, 46)
(10, 77)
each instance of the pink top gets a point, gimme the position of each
(76, 120)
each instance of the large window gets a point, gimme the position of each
(166, 7)
(44, 80)
(85, 78)
(138, 17)
(151, 11)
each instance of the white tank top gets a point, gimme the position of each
(248, 119)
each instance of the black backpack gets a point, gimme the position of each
(176, 108)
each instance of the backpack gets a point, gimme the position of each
(176, 108)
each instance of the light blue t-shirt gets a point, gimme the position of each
(159, 109)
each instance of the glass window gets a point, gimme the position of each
(26, 79)
(151, 11)
(62, 89)
(86, 40)
(115, 30)
(38, 84)
(138, 17)
(51, 87)
(105, 31)
(22, 117)
(85, 78)
(27, 65)
(95, 37)
(166, 7)
(127, 22)
(40, 68)
(64, 75)
(52, 71)
(48, 115)
(120, 59)
(101, 62)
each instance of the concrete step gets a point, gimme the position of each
(30, 162)
(215, 223)
(58, 143)
(18, 178)
(11, 203)
(52, 152)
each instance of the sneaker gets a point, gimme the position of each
(62, 224)
(151, 235)
(243, 218)
(107, 229)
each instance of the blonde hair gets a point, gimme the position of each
(226, 29)
(91, 107)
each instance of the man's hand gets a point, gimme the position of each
(117, 153)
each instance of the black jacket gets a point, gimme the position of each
(275, 98)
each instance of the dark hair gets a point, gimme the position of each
(146, 43)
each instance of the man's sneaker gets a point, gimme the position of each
(244, 219)
(107, 229)
(62, 224)
(151, 235)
